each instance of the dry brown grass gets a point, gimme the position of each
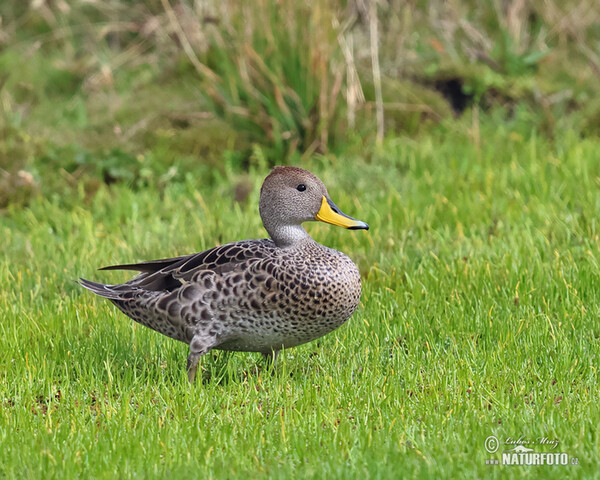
(299, 76)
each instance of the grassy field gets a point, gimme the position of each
(479, 317)
(464, 133)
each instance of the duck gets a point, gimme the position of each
(260, 295)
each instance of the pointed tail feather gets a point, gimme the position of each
(100, 289)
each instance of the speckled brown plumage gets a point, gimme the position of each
(252, 295)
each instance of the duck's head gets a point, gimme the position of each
(290, 196)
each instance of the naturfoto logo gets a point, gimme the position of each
(524, 453)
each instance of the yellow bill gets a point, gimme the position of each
(330, 213)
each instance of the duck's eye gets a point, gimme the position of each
(301, 187)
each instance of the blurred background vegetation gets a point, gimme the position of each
(103, 91)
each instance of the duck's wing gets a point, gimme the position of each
(151, 266)
(171, 273)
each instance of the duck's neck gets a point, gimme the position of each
(289, 236)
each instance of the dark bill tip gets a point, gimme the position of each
(360, 226)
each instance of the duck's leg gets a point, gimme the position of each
(192, 366)
(200, 345)
(271, 357)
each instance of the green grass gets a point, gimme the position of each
(479, 316)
